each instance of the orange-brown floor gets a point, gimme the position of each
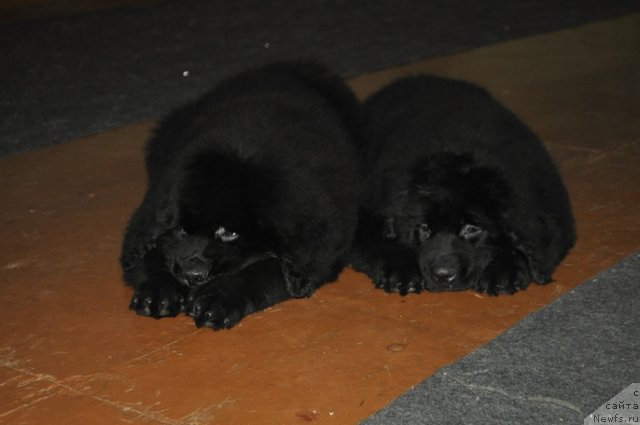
(71, 352)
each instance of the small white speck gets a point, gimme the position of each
(185, 73)
(331, 413)
(267, 45)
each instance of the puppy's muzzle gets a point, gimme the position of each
(446, 272)
(194, 272)
(445, 269)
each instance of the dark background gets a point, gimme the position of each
(66, 77)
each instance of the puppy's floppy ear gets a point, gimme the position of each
(138, 239)
(528, 231)
(532, 261)
(540, 239)
(389, 229)
(153, 218)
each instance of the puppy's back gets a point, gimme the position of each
(259, 113)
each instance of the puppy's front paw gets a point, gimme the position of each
(298, 283)
(218, 305)
(397, 276)
(160, 298)
(399, 281)
(503, 278)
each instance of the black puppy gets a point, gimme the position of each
(251, 198)
(461, 194)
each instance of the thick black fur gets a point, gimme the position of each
(251, 199)
(460, 193)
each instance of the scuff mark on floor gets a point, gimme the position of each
(77, 385)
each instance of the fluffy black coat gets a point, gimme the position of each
(251, 199)
(461, 194)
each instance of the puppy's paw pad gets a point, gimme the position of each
(400, 282)
(210, 311)
(219, 305)
(498, 280)
(157, 300)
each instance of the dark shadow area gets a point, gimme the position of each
(66, 77)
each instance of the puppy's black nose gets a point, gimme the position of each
(445, 269)
(444, 274)
(195, 272)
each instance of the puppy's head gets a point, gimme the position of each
(218, 229)
(453, 216)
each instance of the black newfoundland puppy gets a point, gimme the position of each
(251, 199)
(461, 194)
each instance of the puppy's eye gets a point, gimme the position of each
(469, 231)
(423, 232)
(225, 235)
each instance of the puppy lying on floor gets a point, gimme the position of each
(460, 193)
(251, 199)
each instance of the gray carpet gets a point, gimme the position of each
(555, 367)
(66, 77)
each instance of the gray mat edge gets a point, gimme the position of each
(555, 366)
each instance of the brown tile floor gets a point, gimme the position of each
(71, 352)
